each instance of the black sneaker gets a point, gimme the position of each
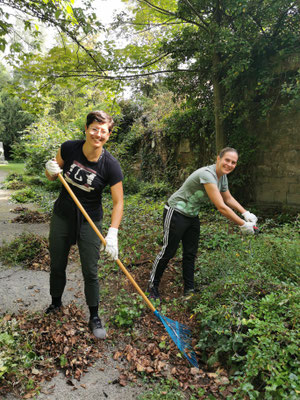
(53, 309)
(153, 293)
(96, 327)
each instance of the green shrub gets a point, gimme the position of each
(248, 311)
(155, 190)
(269, 346)
(26, 195)
(41, 142)
(14, 176)
(131, 184)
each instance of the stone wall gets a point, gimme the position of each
(277, 169)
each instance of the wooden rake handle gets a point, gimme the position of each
(87, 217)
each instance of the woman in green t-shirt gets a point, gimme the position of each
(181, 221)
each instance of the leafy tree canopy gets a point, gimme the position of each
(227, 48)
(75, 23)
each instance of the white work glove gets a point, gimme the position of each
(111, 247)
(249, 217)
(247, 228)
(53, 168)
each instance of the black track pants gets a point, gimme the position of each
(89, 247)
(177, 227)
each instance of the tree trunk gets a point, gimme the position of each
(218, 105)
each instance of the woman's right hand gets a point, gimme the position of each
(247, 228)
(53, 168)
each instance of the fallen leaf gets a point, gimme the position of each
(212, 375)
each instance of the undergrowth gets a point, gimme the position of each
(22, 250)
(248, 311)
(17, 356)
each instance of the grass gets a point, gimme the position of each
(18, 168)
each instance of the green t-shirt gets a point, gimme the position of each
(188, 198)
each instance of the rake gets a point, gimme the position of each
(179, 333)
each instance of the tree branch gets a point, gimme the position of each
(74, 74)
(166, 12)
(187, 2)
(159, 9)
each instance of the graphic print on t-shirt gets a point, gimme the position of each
(81, 176)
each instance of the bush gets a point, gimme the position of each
(26, 195)
(155, 190)
(268, 344)
(41, 142)
(131, 184)
(248, 309)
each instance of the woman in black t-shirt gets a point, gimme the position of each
(88, 168)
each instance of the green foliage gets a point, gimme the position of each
(248, 308)
(156, 190)
(215, 237)
(231, 64)
(13, 118)
(22, 250)
(139, 238)
(290, 91)
(17, 168)
(16, 352)
(167, 389)
(270, 336)
(128, 309)
(41, 142)
(25, 195)
(56, 13)
(131, 183)
(14, 181)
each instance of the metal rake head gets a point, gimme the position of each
(181, 336)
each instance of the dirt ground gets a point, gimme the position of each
(28, 291)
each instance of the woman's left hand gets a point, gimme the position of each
(111, 247)
(249, 217)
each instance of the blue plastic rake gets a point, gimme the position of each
(181, 336)
(179, 333)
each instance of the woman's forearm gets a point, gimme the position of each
(235, 205)
(116, 215)
(230, 214)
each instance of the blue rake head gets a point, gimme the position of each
(181, 336)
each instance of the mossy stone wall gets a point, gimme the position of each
(277, 166)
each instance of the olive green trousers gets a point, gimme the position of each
(61, 238)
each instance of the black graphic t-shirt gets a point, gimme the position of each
(87, 179)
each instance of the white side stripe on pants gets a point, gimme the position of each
(167, 224)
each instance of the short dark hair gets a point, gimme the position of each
(100, 116)
(226, 150)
